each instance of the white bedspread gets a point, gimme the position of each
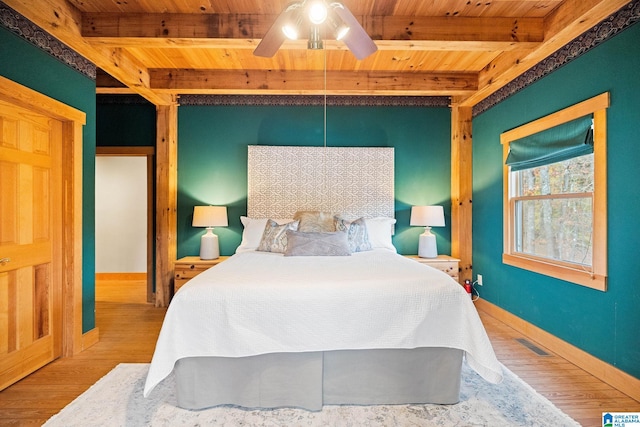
(257, 302)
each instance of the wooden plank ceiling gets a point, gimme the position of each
(466, 49)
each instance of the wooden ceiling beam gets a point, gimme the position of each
(568, 21)
(244, 31)
(409, 45)
(311, 82)
(60, 19)
(128, 70)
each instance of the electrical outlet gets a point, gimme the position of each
(480, 279)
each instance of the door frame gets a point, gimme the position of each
(149, 153)
(73, 120)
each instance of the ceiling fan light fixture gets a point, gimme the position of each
(291, 27)
(315, 41)
(317, 12)
(320, 17)
(290, 31)
(337, 25)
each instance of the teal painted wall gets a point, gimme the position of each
(605, 324)
(212, 159)
(26, 64)
(125, 125)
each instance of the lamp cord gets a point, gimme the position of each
(475, 291)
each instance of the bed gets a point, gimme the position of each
(303, 316)
(272, 331)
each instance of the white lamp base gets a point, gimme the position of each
(427, 246)
(209, 248)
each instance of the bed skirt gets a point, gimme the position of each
(311, 380)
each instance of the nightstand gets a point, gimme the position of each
(189, 267)
(444, 263)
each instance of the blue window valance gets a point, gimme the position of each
(562, 142)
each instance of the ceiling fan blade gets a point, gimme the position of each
(274, 37)
(271, 41)
(357, 39)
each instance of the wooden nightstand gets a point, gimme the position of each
(189, 267)
(443, 263)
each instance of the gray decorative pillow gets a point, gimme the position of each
(357, 234)
(274, 237)
(317, 244)
(315, 221)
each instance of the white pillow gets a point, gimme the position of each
(380, 230)
(252, 233)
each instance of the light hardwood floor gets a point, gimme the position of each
(129, 327)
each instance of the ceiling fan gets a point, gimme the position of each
(314, 16)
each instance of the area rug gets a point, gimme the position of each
(116, 400)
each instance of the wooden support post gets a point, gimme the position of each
(461, 188)
(166, 200)
(73, 342)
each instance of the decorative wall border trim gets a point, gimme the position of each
(22, 27)
(317, 100)
(128, 99)
(614, 24)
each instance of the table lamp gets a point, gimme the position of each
(209, 216)
(427, 216)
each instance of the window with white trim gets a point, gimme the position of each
(555, 194)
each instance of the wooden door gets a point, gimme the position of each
(30, 241)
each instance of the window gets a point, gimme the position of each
(553, 211)
(555, 194)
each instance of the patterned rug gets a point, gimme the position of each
(116, 400)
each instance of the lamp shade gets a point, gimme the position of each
(210, 216)
(427, 216)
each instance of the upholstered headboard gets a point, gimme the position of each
(353, 181)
